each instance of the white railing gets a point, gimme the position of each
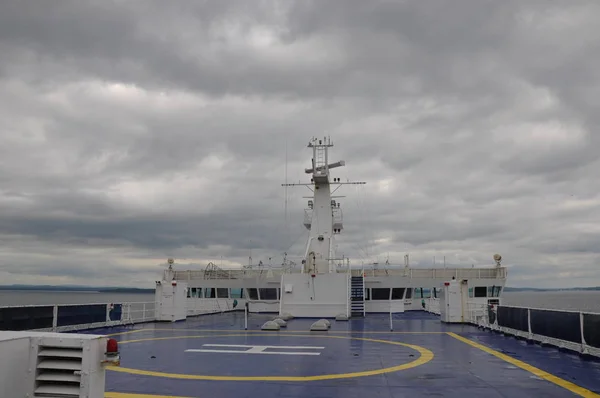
(437, 273)
(478, 314)
(476, 311)
(131, 313)
(265, 272)
(426, 273)
(432, 305)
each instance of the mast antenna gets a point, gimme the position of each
(286, 187)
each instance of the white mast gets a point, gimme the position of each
(323, 217)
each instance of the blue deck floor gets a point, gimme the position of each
(360, 358)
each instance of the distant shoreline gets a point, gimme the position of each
(75, 289)
(532, 289)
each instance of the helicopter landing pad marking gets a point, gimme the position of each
(259, 349)
(425, 356)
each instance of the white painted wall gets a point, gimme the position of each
(321, 226)
(384, 306)
(412, 304)
(324, 296)
(264, 307)
(15, 381)
(451, 303)
(170, 301)
(19, 360)
(199, 306)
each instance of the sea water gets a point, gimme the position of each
(575, 300)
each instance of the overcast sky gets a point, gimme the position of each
(134, 131)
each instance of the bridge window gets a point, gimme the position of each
(425, 292)
(368, 294)
(253, 294)
(409, 293)
(210, 292)
(237, 292)
(222, 292)
(268, 294)
(494, 291)
(397, 293)
(480, 291)
(379, 293)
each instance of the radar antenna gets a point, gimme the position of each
(498, 260)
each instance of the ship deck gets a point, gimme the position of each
(357, 358)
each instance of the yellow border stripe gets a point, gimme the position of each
(127, 395)
(574, 388)
(425, 356)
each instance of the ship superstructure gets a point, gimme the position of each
(347, 288)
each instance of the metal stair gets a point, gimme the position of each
(357, 296)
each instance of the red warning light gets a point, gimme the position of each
(112, 346)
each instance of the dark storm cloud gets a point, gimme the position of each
(133, 131)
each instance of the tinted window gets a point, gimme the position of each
(268, 294)
(380, 293)
(397, 293)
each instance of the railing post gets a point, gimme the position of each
(529, 332)
(581, 323)
(143, 312)
(246, 315)
(391, 324)
(54, 318)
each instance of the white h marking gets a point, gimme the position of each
(260, 349)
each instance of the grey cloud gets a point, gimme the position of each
(133, 131)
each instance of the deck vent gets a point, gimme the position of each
(58, 372)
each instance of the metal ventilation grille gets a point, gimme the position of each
(58, 372)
